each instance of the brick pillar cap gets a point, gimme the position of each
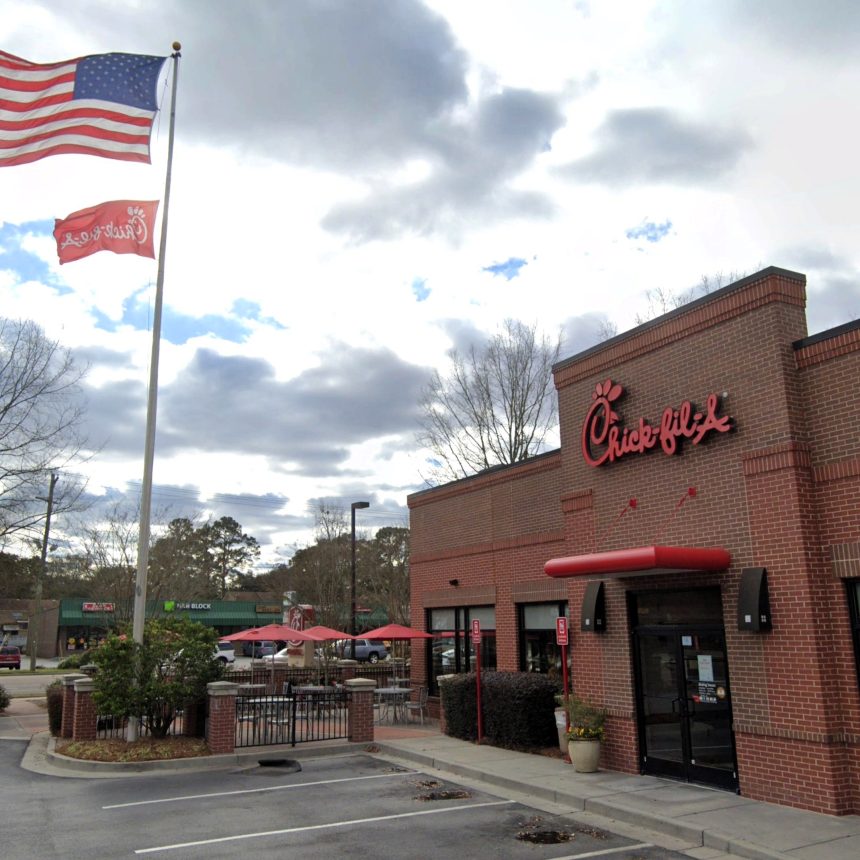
(360, 684)
(441, 678)
(84, 685)
(347, 662)
(69, 680)
(222, 688)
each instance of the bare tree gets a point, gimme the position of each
(110, 549)
(497, 405)
(662, 300)
(41, 413)
(384, 572)
(320, 573)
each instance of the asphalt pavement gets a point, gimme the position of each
(705, 823)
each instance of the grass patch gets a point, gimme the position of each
(145, 749)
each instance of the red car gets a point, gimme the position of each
(10, 657)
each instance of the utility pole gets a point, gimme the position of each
(36, 614)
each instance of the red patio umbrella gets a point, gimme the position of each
(274, 632)
(322, 633)
(396, 631)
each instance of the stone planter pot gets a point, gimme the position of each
(584, 754)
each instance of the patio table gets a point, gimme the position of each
(393, 698)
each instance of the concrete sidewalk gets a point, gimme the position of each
(718, 821)
(702, 822)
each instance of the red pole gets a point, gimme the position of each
(564, 679)
(478, 686)
(476, 641)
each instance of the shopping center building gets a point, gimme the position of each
(700, 528)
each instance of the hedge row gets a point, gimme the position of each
(517, 709)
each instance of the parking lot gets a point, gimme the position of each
(320, 808)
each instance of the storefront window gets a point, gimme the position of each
(451, 650)
(538, 649)
(854, 603)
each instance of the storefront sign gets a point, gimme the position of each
(604, 441)
(97, 607)
(176, 605)
(267, 609)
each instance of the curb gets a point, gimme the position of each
(603, 807)
(41, 757)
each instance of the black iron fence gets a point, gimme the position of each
(273, 678)
(299, 714)
(189, 721)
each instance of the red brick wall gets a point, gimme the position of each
(782, 491)
(221, 725)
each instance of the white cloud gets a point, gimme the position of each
(331, 155)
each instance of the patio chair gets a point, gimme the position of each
(418, 705)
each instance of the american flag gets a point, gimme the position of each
(102, 104)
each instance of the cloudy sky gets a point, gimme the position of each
(360, 185)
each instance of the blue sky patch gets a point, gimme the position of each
(175, 327)
(26, 265)
(244, 309)
(507, 270)
(420, 289)
(649, 231)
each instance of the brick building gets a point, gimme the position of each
(700, 528)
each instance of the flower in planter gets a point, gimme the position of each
(585, 733)
(586, 720)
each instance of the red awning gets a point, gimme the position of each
(640, 561)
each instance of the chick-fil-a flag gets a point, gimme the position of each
(121, 226)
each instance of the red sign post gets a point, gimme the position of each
(476, 641)
(561, 641)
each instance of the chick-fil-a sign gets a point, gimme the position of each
(604, 441)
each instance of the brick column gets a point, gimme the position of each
(68, 704)
(347, 669)
(84, 718)
(221, 725)
(360, 709)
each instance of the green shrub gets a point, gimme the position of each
(154, 679)
(458, 702)
(77, 659)
(4, 699)
(54, 697)
(517, 709)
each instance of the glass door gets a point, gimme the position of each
(685, 705)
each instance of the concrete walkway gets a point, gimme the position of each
(703, 823)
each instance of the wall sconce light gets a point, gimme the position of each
(454, 582)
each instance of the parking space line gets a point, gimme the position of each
(605, 851)
(352, 823)
(253, 790)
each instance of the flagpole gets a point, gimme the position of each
(139, 616)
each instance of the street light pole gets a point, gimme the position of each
(353, 507)
(36, 617)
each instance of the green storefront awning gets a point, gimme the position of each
(213, 613)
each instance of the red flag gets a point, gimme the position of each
(103, 104)
(122, 226)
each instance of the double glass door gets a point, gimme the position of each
(685, 714)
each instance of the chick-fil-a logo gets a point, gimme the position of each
(603, 441)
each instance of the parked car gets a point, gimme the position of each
(258, 649)
(366, 650)
(225, 653)
(10, 657)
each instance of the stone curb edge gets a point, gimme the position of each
(43, 745)
(599, 806)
